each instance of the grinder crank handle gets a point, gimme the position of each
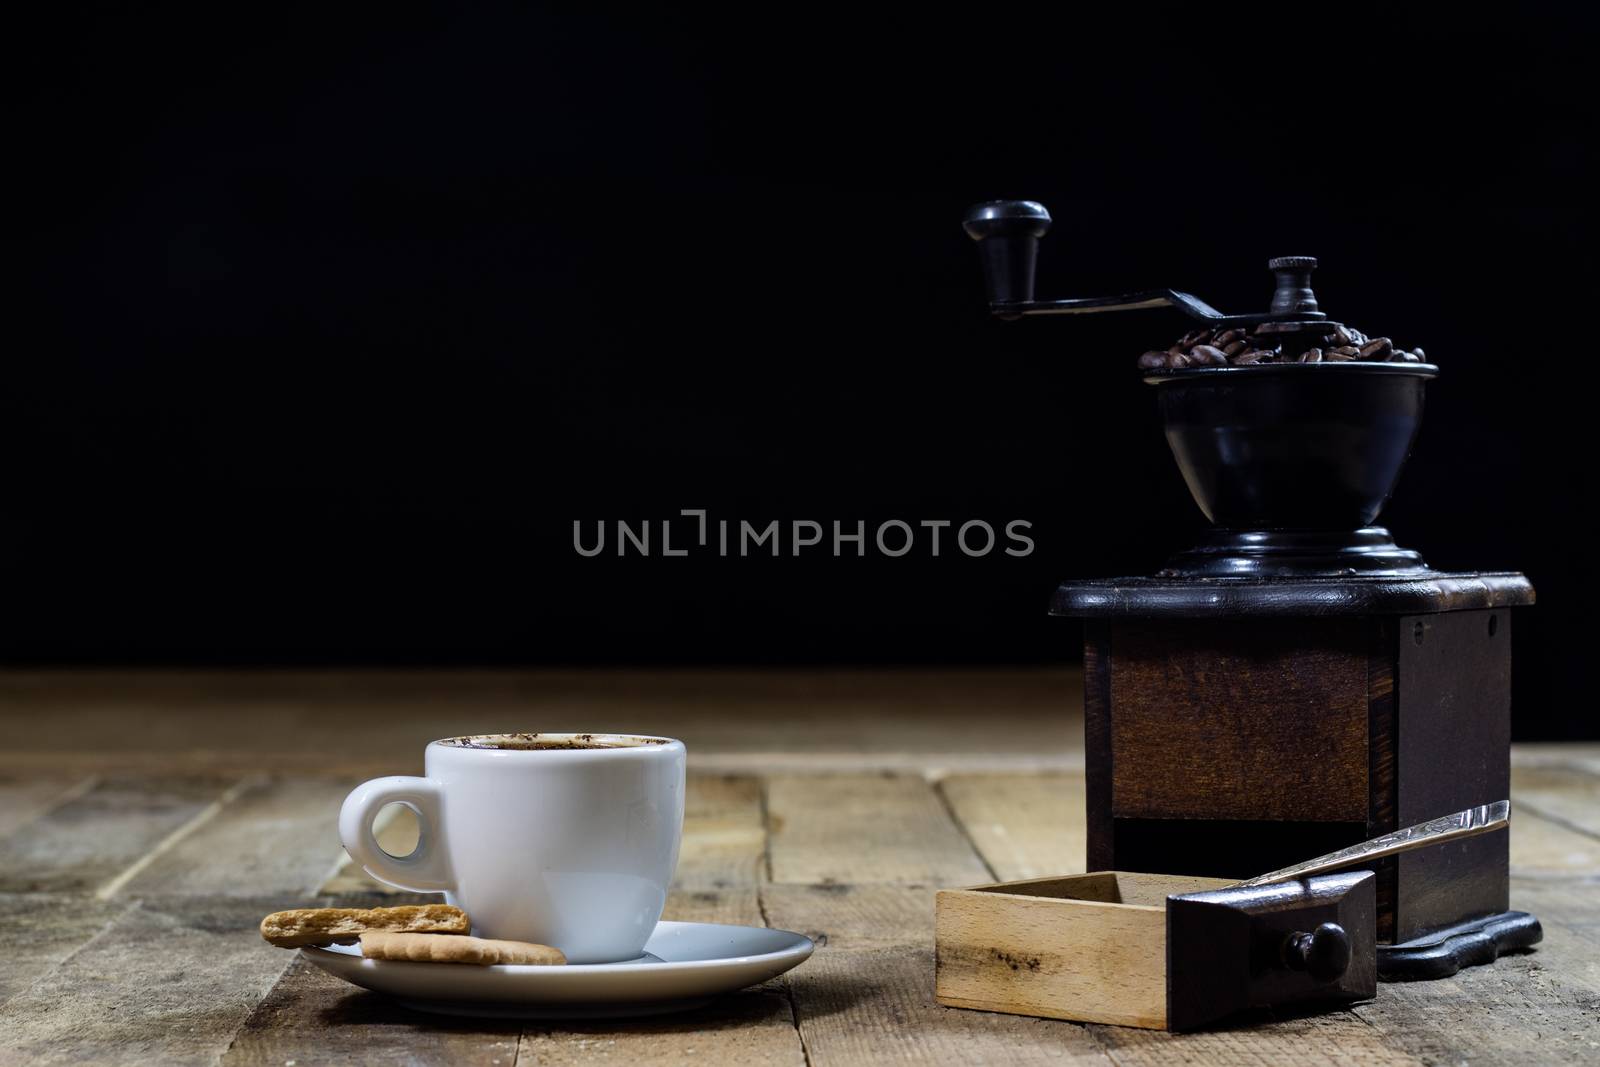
(1008, 233)
(1468, 823)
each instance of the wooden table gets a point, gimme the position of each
(148, 821)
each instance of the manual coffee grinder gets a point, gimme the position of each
(1296, 682)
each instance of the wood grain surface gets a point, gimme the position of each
(148, 821)
(875, 828)
(1023, 825)
(1090, 960)
(1216, 753)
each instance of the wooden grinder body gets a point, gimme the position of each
(1230, 742)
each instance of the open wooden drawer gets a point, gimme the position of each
(1159, 951)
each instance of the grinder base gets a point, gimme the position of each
(1296, 554)
(1467, 944)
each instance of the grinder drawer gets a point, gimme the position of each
(1159, 951)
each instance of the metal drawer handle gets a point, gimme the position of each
(1324, 953)
(1478, 820)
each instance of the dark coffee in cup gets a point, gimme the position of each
(525, 742)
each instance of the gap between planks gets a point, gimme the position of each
(162, 982)
(855, 829)
(1567, 795)
(205, 815)
(19, 811)
(41, 901)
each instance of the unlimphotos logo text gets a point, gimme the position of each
(694, 532)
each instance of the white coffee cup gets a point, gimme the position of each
(572, 846)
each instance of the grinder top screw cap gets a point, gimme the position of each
(1293, 295)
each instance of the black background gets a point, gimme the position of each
(330, 325)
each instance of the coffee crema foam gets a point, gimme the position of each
(524, 742)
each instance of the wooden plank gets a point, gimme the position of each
(933, 764)
(199, 762)
(1562, 794)
(740, 906)
(162, 984)
(853, 916)
(1024, 826)
(1581, 755)
(277, 836)
(299, 721)
(311, 1017)
(723, 853)
(866, 996)
(1569, 955)
(89, 840)
(724, 833)
(860, 829)
(24, 797)
(39, 930)
(1538, 1007)
(875, 1005)
(751, 1027)
(1332, 1039)
(1088, 960)
(1542, 848)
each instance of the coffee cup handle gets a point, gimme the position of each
(426, 869)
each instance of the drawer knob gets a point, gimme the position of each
(1324, 953)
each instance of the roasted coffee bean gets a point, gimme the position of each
(1247, 346)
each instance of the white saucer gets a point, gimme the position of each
(684, 966)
